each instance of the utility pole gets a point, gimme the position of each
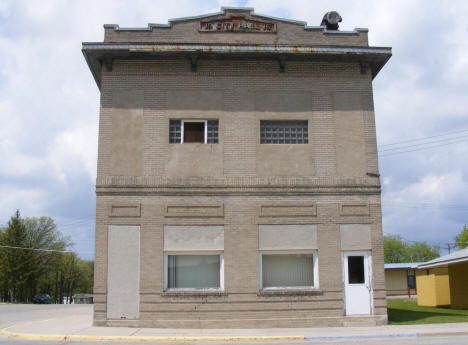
(454, 245)
(451, 246)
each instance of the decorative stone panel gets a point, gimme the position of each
(288, 210)
(193, 238)
(124, 210)
(194, 210)
(354, 209)
(287, 237)
(355, 236)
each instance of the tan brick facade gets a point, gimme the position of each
(238, 184)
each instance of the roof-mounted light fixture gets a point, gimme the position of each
(331, 20)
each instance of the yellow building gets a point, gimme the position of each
(444, 281)
(458, 275)
(433, 286)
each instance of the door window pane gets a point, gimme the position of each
(193, 271)
(356, 269)
(411, 282)
(288, 270)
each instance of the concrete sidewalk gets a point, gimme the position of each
(78, 327)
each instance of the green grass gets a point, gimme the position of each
(407, 312)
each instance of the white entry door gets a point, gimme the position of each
(357, 283)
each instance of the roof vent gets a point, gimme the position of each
(331, 20)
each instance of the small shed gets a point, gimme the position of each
(444, 281)
(401, 279)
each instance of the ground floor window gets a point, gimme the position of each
(194, 271)
(288, 270)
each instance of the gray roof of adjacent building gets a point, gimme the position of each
(452, 258)
(403, 265)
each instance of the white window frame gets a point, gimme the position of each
(182, 122)
(288, 252)
(221, 270)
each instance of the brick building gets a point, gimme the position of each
(238, 181)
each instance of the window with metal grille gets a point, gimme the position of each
(284, 132)
(212, 131)
(193, 131)
(174, 131)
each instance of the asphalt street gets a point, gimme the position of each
(16, 313)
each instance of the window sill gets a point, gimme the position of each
(290, 292)
(193, 293)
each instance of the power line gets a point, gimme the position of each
(38, 249)
(426, 143)
(74, 222)
(454, 207)
(421, 149)
(404, 239)
(453, 245)
(425, 138)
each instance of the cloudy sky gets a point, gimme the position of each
(49, 105)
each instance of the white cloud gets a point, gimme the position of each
(436, 189)
(430, 209)
(30, 201)
(74, 150)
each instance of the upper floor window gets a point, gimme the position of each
(193, 131)
(284, 132)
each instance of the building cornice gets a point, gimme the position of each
(99, 54)
(235, 186)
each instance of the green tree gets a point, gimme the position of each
(422, 252)
(3, 277)
(397, 250)
(462, 238)
(14, 262)
(42, 233)
(35, 258)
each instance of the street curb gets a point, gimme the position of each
(7, 334)
(362, 336)
(442, 334)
